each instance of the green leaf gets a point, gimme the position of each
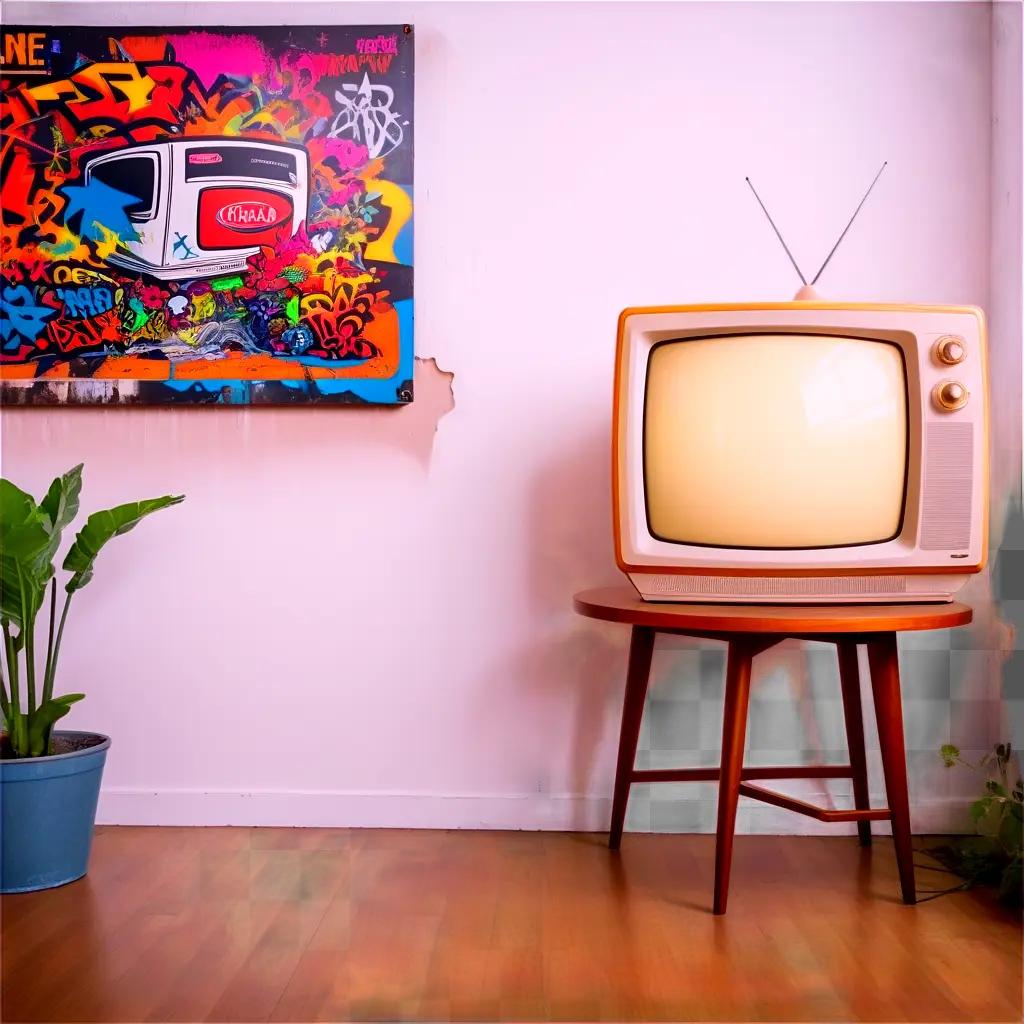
(61, 501)
(996, 788)
(949, 753)
(41, 722)
(25, 537)
(103, 526)
(1011, 834)
(23, 526)
(980, 808)
(60, 506)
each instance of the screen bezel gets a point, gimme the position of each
(782, 330)
(119, 156)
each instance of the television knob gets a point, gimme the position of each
(950, 350)
(950, 395)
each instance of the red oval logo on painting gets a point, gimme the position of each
(249, 216)
(205, 158)
(232, 216)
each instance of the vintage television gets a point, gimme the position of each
(202, 206)
(800, 451)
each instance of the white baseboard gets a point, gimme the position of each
(342, 809)
(528, 811)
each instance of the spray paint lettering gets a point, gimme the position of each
(85, 301)
(366, 116)
(23, 318)
(378, 44)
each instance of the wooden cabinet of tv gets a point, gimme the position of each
(748, 630)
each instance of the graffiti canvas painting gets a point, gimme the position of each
(209, 216)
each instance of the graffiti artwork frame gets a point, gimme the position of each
(211, 216)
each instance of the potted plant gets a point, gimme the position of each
(49, 781)
(994, 856)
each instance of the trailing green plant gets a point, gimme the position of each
(995, 855)
(30, 534)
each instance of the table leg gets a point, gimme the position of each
(734, 734)
(885, 684)
(849, 678)
(641, 647)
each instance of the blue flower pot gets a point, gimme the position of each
(47, 814)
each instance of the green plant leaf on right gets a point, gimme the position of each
(980, 808)
(950, 754)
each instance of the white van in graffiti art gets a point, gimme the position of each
(204, 205)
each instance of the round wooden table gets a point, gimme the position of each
(748, 630)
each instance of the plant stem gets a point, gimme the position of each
(48, 682)
(47, 685)
(12, 667)
(30, 663)
(5, 702)
(28, 632)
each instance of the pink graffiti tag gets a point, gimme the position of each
(378, 44)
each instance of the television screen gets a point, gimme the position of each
(775, 441)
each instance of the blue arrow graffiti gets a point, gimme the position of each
(101, 207)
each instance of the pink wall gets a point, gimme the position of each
(334, 629)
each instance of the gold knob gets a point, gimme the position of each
(950, 350)
(950, 395)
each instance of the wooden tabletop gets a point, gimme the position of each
(624, 604)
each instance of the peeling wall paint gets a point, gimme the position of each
(410, 428)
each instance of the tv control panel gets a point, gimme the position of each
(949, 395)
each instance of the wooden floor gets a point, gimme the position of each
(320, 924)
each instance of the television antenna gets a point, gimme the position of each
(807, 291)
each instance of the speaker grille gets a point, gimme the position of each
(946, 504)
(781, 586)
